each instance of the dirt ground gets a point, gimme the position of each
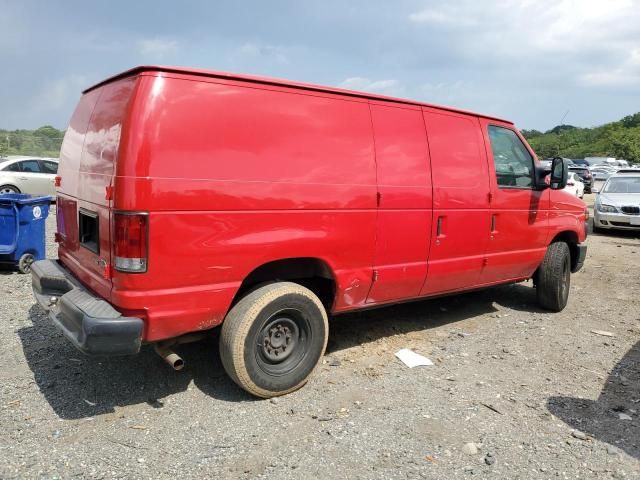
(514, 393)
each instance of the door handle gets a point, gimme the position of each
(439, 227)
(23, 178)
(493, 223)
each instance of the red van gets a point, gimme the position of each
(189, 199)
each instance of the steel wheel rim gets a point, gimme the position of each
(281, 342)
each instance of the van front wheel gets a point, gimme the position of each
(274, 338)
(553, 278)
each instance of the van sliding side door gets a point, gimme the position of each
(461, 217)
(403, 225)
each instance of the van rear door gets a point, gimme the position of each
(87, 164)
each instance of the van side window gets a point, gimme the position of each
(514, 164)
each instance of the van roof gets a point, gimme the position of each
(279, 82)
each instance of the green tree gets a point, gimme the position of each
(619, 139)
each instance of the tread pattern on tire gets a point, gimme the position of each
(548, 289)
(240, 319)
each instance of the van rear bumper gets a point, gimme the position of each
(89, 322)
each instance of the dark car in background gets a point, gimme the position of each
(580, 162)
(585, 175)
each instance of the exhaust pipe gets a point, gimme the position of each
(174, 360)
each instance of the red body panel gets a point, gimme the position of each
(520, 226)
(394, 198)
(460, 202)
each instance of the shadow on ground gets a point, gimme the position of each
(351, 329)
(9, 269)
(601, 418)
(77, 386)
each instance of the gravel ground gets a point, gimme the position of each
(515, 392)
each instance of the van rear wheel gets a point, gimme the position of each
(273, 339)
(554, 277)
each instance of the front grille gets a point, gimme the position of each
(629, 210)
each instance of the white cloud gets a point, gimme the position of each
(444, 17)
(157, 47)
(589, 41)
(385, 87)
(625, 75)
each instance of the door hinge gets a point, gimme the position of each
(108, 192)
(374, 276)
(490, 197)
(378, 198)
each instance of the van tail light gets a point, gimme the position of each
(57, 181)
(131, 241)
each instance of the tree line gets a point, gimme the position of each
(42, 142)
(619, 139)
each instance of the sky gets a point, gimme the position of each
(530, 61)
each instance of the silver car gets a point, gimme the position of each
(28, 175)
(618, 203)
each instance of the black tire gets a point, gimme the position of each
(24, 264)
(554, 277)
(273, 339)
(8, 189)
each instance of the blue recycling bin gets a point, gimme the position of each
(22, 229)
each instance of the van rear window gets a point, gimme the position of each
(88, 226)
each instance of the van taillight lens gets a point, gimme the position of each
(130, 242)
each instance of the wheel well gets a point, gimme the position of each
(571, 239)
(12, 186)
(311, 273)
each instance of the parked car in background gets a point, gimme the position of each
(585, 176)
(574, 185)
(593, 161)
(617, 205)
(580, 162)
(28, 175)
(602, 172)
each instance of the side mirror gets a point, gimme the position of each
(595, 190)
(559, 173)
(541, 177)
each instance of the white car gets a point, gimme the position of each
(618, 203)
(574, 185)
(602, 172)
(28, 175)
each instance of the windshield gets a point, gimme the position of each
(623, 185)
